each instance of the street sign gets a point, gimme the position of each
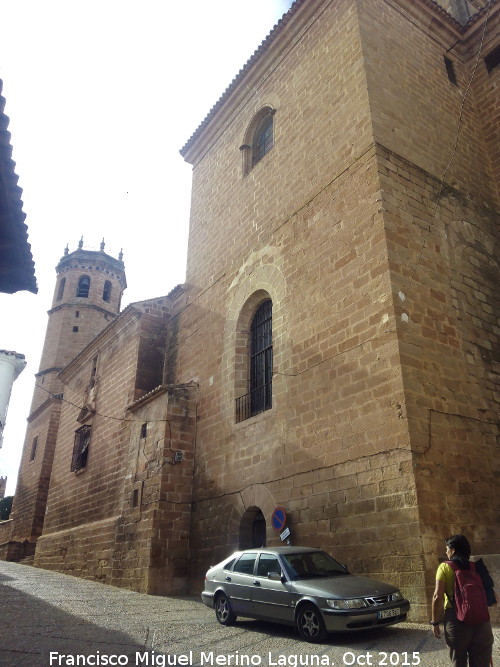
(278, 518)
(285, 534)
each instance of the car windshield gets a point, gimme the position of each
(313, 564)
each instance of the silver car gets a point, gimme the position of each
(302, 587)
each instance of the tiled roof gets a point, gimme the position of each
(483, 7)
(17, 270)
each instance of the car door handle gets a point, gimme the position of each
(256, 582)
(228, 579)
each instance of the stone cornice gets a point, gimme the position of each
(53, 369)
(81, 306)
(41, 408)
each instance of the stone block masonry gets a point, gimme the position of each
(369, 234)
(382, 280)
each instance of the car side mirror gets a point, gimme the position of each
(275, 576)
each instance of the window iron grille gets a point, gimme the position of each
(263, 139)
(254, 403)
(259, 398)
(81, 448)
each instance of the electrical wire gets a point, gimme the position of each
(60, 397)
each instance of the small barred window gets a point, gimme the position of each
(81, 448)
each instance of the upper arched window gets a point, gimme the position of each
(61, 289)
(263, 138)
(106, 292)
(83, 287)
(259, 138)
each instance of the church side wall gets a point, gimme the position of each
(322, 126)
(441, 206)
(344, 225)
(485, 86)
(447, 270)
(306, 229)
(415, 108)
(334, 448)
(83, 507)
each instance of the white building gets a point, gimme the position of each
(11, 365)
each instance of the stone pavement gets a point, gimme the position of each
(47, 618)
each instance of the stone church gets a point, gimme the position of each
(335, 348)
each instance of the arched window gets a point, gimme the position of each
(83, 287)
(259, 397)
(261, 358)
(106, 293)
(61, 289)
(259, 138)
(263, 138)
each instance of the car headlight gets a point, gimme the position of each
(397, 596)
(354, 603)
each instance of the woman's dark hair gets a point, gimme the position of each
(461, 545)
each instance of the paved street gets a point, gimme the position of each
(49, 618)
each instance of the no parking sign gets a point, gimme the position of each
(278, 518)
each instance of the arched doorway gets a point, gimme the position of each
(252, 529)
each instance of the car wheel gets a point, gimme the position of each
(223, 610)
(310, 624)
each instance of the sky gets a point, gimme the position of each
(101, 95)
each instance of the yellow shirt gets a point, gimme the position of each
(446, 574)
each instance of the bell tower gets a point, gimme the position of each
(87, 297)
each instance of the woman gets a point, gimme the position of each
(465, 641)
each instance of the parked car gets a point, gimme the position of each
(301, 587)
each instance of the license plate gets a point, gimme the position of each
(389, 613)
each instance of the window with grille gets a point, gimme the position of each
(258, 139)
(259, 398)
(263, 138)
(81, 448)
